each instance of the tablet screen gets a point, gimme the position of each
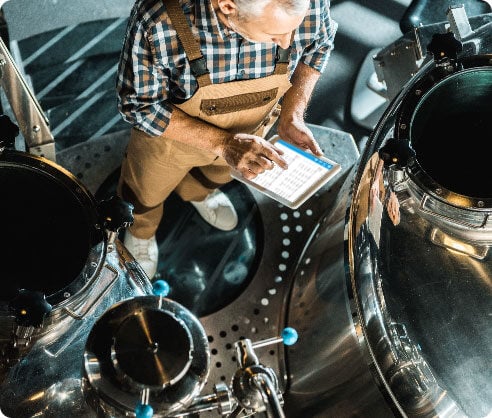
(306, 174)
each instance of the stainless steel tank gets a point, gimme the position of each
(61, 268)
(393, 295)
(83, 332)
(149, 350)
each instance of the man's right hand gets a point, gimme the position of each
(251, 155)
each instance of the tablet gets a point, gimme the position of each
(306, 174)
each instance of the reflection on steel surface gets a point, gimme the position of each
(394, 292)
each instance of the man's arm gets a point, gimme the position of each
(291, 123)
(249, 154)
(312, 63)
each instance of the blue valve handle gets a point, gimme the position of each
(288, 336)
(144, 411)
(161, 288)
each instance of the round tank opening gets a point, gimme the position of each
(45, 230)
(451, 132)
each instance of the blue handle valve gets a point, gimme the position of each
(144, 411)
(161, 288)
(290, 336)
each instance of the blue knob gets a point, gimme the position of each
(144, 411)
(161, 288)
(289, 335)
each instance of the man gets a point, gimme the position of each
(200, 82)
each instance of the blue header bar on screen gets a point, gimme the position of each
(306, 154)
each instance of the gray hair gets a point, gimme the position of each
(254, 8)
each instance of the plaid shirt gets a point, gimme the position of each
(153, 70)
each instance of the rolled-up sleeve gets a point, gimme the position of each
(317, 54)
(141, 86)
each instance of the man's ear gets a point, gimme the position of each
(227, 7)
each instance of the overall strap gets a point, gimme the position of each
(197, 61)
(282, 57)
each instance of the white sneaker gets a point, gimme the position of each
(218, 211)
(145, 252)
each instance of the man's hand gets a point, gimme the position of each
(251, 155)
(297, 133)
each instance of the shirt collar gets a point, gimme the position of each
(208, 20)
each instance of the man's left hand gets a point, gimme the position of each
(297, 133)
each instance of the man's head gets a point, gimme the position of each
(269, 21)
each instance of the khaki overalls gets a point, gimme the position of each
(155, 166)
